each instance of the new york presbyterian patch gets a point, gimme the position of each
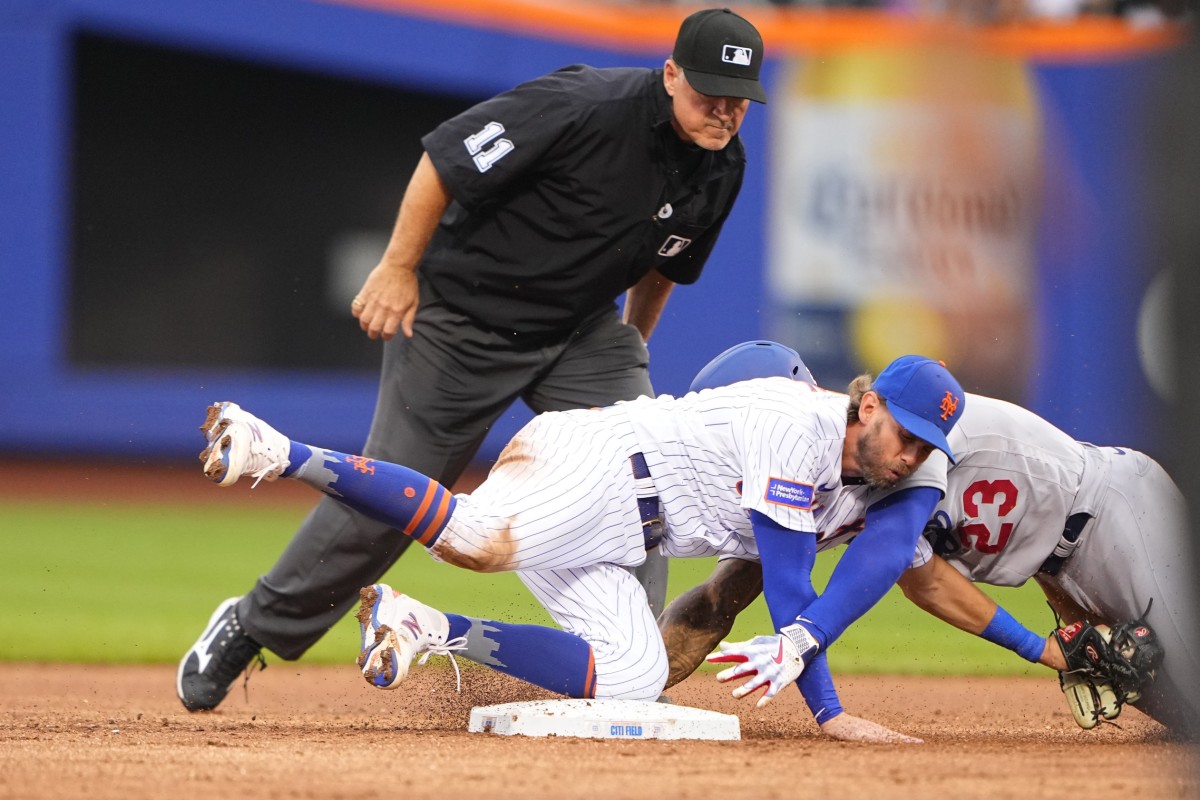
(789, 493)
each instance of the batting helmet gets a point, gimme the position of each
(757, 359)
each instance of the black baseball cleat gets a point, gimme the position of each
(222, 653)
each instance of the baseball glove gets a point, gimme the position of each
(1106, 667)
(1089, 700)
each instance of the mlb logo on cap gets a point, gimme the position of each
(721, 54)
(733, 54)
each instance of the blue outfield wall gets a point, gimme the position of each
(1089, 286)
(1094, 254)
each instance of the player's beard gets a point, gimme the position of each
(876, 470)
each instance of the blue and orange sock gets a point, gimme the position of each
(552, 659)
(420, 507)
(410, 502)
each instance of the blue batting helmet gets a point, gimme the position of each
(756, 359)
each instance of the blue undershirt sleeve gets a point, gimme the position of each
(820, 695)
(787, 557)
(871, 563)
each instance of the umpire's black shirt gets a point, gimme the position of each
(567, 190)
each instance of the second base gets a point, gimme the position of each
(604, 719)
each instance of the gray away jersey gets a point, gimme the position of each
(1015, 472)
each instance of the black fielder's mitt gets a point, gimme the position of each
(1126, 656)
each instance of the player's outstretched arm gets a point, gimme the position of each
(1096, 679)
(872, 562)
(941, 590)
(944, 592)
(695, 622)
(698, 619)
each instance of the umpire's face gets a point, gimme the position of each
(709, 122)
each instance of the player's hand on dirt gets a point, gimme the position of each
(849, 728)
(766, 662)
(387, 302)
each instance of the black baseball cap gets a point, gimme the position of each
(721, 54)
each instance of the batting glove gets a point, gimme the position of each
(766, 661)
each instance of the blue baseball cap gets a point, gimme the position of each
(923, 397)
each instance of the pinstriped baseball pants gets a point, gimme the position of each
(559, 509)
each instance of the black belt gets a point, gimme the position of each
(647, 500)
(1067, 544)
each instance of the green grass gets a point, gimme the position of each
(125, 583)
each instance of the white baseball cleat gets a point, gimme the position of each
(240, 443)
(395, 630)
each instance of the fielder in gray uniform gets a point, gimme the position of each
(526, 218)
(1101, 529)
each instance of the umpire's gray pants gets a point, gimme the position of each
(439, 393)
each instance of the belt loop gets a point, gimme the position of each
(1067, 543)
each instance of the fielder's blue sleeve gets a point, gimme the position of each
(871, 563)
(787, 558)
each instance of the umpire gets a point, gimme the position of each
(526, 218)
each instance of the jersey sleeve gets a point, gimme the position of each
(498, 142)
(931, 473)
(923, 554)
(786, 458)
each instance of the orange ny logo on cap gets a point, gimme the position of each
(949, 405)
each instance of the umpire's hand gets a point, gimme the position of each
(387, 302)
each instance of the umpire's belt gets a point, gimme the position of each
(649, 508)
(1067, 543)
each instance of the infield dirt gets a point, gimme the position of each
(307, 731)
(300, 731)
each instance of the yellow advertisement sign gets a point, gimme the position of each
(903, 197)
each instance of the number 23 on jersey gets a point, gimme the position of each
(985, 504)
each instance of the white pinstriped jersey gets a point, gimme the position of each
(771, 445)
(560, 508)
(1016, 481)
